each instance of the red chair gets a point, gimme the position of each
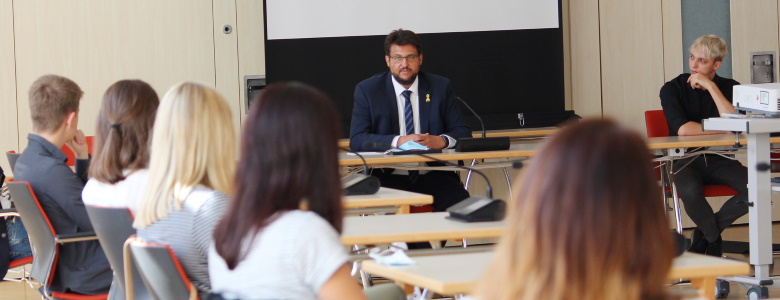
(45, 241)
(655, 121)
(72, 156)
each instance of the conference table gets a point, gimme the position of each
(528, 148)
(388, 197)
(423, 227)
(513, 134)
(454, 274)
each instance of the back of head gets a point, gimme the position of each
(124, 126)
(193, 143)
(289, 155)
(586, 222)
(402, 37)
(52, 98)
(714, 46)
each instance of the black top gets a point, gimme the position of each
(682, 104)
(82, 267)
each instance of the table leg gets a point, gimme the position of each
(705, 286)
(404, 209)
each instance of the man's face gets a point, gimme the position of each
(700, 63)
(404, 63)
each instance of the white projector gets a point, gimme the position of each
(760, 98)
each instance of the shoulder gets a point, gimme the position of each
(205, 199)
(676, 84)
(376, 79)
(721, 81)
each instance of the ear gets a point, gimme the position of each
(69, 120)
(387, 60)
(421, 59)
(717, 64)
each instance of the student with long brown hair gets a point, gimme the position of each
(585, 223)
(265, 247)
(118, 172)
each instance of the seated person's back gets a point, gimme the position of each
(81, 267)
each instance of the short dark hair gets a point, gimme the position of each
(124, 126)
(52, 98)
(289, 155)
(402, 37)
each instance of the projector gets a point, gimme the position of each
(760, 98)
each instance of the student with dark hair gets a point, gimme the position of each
(266, 247)
(118, 172)
(54, 104)
(585, 222)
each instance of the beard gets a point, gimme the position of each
(405, 82)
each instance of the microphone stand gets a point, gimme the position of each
(480, 144)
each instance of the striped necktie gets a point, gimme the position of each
(409, 120)
(408, 114)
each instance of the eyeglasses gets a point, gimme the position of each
(399, 59)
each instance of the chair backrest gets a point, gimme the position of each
(72, 156)
(655, 121)
(161, 271)
(12, 157)
(113, 226)
(39, 229)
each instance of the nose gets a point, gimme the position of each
(404, 62)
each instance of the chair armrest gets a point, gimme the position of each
(75, 237)
(11, 212)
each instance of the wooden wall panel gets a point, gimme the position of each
(631, 59)
(96, 43)
(584, 44)
(672, 38)
(226, 56)
(754, 27)
(9, 135)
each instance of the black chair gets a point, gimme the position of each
(44, 240)
(160, 270)
(113, 226)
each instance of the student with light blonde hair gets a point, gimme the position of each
(191, 174)
(585, 223)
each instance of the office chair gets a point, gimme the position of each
(160, 270)
(72, 156)
(12, 157)
(44, 240)
(655, 121)
(113, 227)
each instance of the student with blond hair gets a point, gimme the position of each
(687, 100)
(585, 222)
(118, 172)
(191, 172)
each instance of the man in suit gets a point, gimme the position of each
(54, 104)
(687, 100)
(402, 105)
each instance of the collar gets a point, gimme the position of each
(47, 146)
(400, 88)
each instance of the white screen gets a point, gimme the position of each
(294, 19)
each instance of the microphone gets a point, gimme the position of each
(480, 144)
(471, 209)
(360, 184)
(773, 166)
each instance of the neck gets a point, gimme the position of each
(56, 138)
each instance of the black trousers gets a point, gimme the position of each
(705, 170)
(444, 186)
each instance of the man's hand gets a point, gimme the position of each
(79, 145)
(699, 81)
(431, 141)
(405, 138)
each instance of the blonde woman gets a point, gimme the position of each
(190, 175)
(586, 223)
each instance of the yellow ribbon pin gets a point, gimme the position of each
(427, 97)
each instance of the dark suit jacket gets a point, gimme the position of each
(375, 113)
(82, 267)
